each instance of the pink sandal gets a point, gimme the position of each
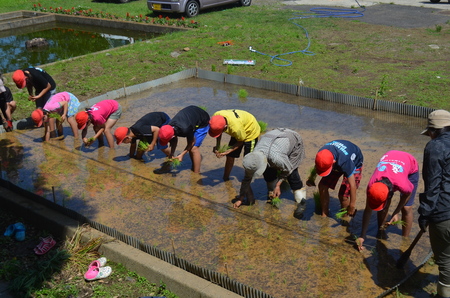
(45, 245)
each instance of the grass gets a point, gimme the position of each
(353, 57)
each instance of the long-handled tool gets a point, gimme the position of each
(405, 256)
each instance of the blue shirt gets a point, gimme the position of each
(348, 156)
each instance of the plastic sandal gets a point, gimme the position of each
(98, 273)
(97, 263)
(19, 231)
(45, 245)
(10, 230)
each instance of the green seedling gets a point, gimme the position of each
(143, 145)
(242, 93)
(275, 202)
(312, 176)
(174, 163)
(262, 125)
(223, 148)
(55, 115)
(318, 206)
(203, 108)
(90, 141)
(399, 222)
(341, 213)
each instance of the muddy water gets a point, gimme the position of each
(261, 246)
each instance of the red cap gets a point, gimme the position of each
(324, 162)
(81, 118)
(37, 116)
(120, 133)
(19, 78)
(216, 125)
(377, 195)
(166, 133)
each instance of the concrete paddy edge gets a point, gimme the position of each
(177, 280)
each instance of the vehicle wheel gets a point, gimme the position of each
(192, 9)
(245, 2)
(435, 1)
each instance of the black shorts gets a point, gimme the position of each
(248, 147)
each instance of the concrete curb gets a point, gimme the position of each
(178, 281)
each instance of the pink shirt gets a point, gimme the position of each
(396, 166)
(101, 111)
(54, 102)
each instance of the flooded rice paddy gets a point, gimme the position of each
(259, 245)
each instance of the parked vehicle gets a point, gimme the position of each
(190, 8)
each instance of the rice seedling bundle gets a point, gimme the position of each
(223, 148)
(143, 145)
(262, 125)
(341, 213)
(55, 115)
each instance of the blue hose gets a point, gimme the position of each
(318, 12)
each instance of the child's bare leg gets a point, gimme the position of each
(73, 126)
(196, 159)
(109, 137)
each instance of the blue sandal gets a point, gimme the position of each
(20, 231)
(10, 230)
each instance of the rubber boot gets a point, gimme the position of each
(300, 198)
(443, 290)
(270, 188)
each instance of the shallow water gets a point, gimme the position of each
(261, 246)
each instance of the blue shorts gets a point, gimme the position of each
(200, 135)
(414, 179)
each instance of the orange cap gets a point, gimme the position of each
(120, 133)
(166, 133)
(81, 118)
(19, 78)
(216, 125)
(324, 162)
(377, 195)
(37, 116)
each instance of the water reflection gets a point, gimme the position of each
(63, 43)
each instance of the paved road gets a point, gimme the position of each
(397, 13)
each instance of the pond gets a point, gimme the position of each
(262, 246)
(64, 41)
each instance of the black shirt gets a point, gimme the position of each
(40, 79)
(188, 120)
(143, 127)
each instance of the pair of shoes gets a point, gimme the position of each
(17, 230)
(98, 270)
(45, 245)
(301, 207)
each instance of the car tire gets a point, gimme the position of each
(192, 9)
(435, 1)
(245, 2)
